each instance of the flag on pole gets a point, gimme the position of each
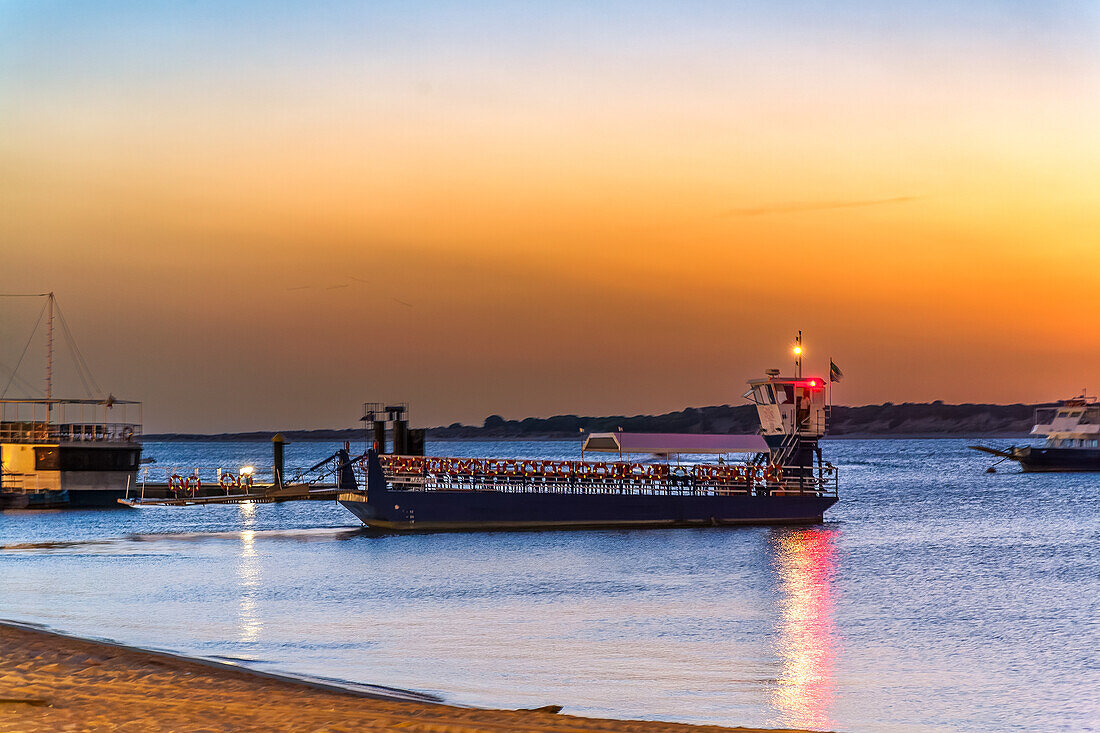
(835, 375)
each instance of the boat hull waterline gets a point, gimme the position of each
(1048, 460)
(434, 511)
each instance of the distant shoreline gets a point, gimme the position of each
(888, 420)
(291, 438)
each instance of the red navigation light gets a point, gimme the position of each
(813, 384)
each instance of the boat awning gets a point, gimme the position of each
(669, 443)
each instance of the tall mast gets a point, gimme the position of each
(49, 355)
(798, 355)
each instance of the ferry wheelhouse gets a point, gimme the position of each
(779, 479)
(68, 453)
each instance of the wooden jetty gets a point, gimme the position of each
(161, 495)
(322, 481)
(188, 489)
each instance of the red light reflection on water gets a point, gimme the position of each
(805, 560)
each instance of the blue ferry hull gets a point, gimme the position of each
(489, 510)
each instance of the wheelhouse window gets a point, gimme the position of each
(47, 459)
(98, 459)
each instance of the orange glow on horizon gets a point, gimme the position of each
(590, 223)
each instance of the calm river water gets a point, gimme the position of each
(935, 597)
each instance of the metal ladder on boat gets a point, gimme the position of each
(786, 448)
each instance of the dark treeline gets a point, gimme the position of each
(888, 419)
(934, 418)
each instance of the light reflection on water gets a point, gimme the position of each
(248, 574)
(807, 636)
(945, 599)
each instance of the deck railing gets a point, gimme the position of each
(22, 483)
(11, 482)
(43, 432)
(581, 477)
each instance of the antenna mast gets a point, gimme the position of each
(49, 354)
(798, 355)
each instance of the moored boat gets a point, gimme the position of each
(1070, 431)
(67, 453)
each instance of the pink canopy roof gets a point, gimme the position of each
(674, 443)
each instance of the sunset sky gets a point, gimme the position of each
(260, 215)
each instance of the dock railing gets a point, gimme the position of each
(192, 480)
(195, 480)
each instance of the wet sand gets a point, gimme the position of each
(52, 682)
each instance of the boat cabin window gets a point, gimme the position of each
(47, 459)
(85, 459)
(784, 394)
(764, 394)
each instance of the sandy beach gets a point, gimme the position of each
(53, 682)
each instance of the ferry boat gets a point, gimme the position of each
(782, 480)
(70, 453)
(1071, 434)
